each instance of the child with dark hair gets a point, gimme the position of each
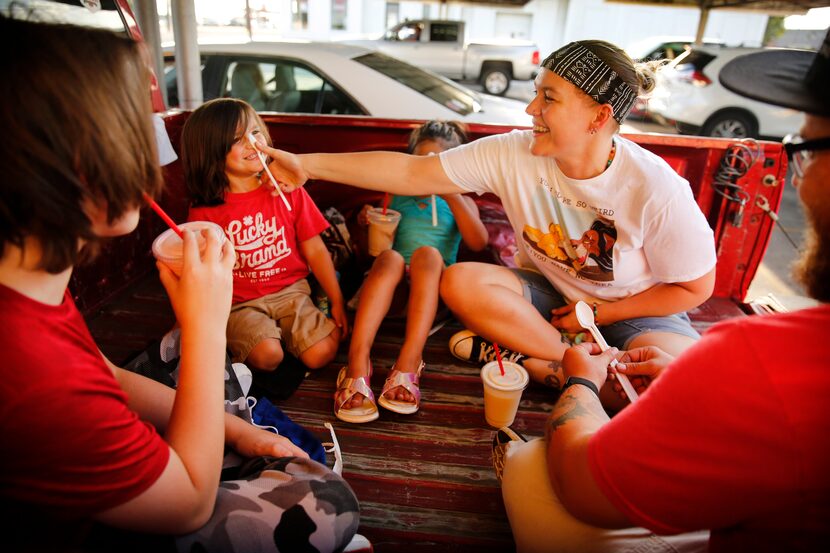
(423, 247)
(272, 306)
(106, 446)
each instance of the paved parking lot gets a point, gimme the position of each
(773, 276)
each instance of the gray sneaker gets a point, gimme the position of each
(501, 440)
(472, 348)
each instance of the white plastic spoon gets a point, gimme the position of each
(261, 157)
(585, 316)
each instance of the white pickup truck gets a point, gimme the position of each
(439, 45)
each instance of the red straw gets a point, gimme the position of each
(385, 201)
(157, 208)
(498, 357)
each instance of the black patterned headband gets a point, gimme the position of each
(582, 68)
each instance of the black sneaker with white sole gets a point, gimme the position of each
(472, 348)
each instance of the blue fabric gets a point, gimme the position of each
(416, 230)
(266, 413)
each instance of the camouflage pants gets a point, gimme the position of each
(286, 504)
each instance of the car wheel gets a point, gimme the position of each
(495, 81)
(731, 124)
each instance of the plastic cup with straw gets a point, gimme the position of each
(168, 249)
(503, 383)
(261, 157)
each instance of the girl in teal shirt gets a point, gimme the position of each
(421, 251)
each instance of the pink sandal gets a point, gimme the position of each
(406, 380)
(367, 411)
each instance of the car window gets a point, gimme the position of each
(102, 14)
(171, 83)
(443, 32)
(285, 86)
(444, 92)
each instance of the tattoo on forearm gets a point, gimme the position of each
(571, 409)
(554, 380)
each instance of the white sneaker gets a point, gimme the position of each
(359, 544)
(244, 376)
(472, 348)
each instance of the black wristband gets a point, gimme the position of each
(579, 380)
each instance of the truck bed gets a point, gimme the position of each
(424, 481)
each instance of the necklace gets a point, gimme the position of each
(612, 154)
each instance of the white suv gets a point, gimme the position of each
(689, 95)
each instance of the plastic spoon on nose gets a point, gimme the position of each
(261, 157)
(585, 316)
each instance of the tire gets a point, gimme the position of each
(731, 124)
(495, 80)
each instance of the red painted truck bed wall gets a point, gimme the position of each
(740, 249)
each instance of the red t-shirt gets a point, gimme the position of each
(71, 446)
(733, 437)
(266, 237)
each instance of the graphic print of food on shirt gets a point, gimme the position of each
(577, 237)
(260, 244)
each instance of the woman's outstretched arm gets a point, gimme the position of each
(393, 172)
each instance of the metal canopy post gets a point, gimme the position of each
(188, 66)
(705, 8)
(148, 21)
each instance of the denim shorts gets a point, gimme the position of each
(544, 297)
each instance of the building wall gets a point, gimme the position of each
(553, 22)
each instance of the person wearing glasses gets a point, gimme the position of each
(729, 447)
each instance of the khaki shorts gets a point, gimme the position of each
(288, 315)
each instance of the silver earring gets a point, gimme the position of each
(592, 130)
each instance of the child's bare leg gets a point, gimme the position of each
(375, 299)
(425, 270)
(322, 353)
(266, 355)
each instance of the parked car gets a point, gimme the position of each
(339, 79)
(656, 48)
(689, 95)
(441, 46)
(664, 47)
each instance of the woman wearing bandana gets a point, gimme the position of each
(597, 218)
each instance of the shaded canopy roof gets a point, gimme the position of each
(772, 7)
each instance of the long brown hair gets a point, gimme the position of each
(207, 137)
(77, 127)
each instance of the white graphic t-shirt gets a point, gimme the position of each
(600, 239)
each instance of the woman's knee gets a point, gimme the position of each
(458, 280)
(266, 355)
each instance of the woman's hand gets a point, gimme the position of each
(286, 168)
(586, 360)
(564, 319)
(202, 294)
(642, 366)
(255, 442)
(645, 361)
